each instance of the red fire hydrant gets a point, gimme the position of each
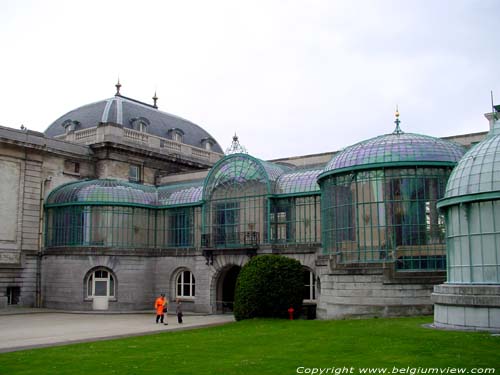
(290, 312)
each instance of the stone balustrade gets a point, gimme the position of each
(113, 133)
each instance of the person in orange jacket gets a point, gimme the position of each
(161, 309)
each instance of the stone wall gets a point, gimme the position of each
(467, 307)
(369, 292)
(64, 280)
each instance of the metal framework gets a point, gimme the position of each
(379, 201)
(243, 202)
(472, 211)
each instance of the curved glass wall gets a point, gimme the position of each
(103, 225)
(236, 205)
(110, 213)
(243, 202)
(473, 242)
(379, 200)
(250, 202)
(472, 211)
(386, 215)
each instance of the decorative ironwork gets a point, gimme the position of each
(236, 147)
(231, 240)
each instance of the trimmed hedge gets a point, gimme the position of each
(268, 286)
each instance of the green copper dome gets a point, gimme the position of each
(478, 172)
(396, 149)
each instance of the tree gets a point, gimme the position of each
(268, 286)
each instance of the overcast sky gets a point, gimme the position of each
(289, 77)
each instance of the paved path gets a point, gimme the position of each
(25, 331)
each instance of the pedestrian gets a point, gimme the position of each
(178, 310)
(161, 309)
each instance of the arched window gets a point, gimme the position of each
(185, 284)
(309, 285)
(101, 282)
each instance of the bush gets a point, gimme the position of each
(267, 286)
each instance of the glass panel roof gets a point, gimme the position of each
(303, 181)
(185, 193)
(478, 171)
(102, 191)
(233, 171)
(241, 168)
(396, 148)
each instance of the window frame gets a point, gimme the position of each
(91, 279)
(181, 284)
(138, 177)
(311, 285)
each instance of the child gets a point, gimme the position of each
(178, 310)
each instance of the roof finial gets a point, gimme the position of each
(397, 122)
(493, 109)
(155, 99)
(118, 86)
(235, 147)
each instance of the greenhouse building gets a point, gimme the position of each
(119, 201)
(470, 298)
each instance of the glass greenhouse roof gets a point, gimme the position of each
(304, 181)
(478, 171)
(187, 193)
(395, 148)
(239, 169)
(234, 170)
(103, 191)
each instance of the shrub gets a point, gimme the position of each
(268, 286)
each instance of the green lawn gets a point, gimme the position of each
(268, 347)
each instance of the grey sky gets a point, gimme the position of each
(290, 77)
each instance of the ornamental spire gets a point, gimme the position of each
(118, 86)
(397, 122)
(236, 147)
(155, 99)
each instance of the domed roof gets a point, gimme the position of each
(124, 111)
(478, 171)
(395, 149)
(101, 192)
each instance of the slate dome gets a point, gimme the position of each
(124, 111)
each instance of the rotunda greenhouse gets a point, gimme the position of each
(470, 299)
(379, 200)
(380, 222)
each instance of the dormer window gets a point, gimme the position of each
(140, 124)
(176, 135)
(207, 143)
(70, 125)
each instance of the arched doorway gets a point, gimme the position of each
(226, 285)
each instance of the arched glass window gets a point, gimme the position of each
(101, 282)
(309, 285)
(185, 284)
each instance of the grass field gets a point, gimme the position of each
(269, 347)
